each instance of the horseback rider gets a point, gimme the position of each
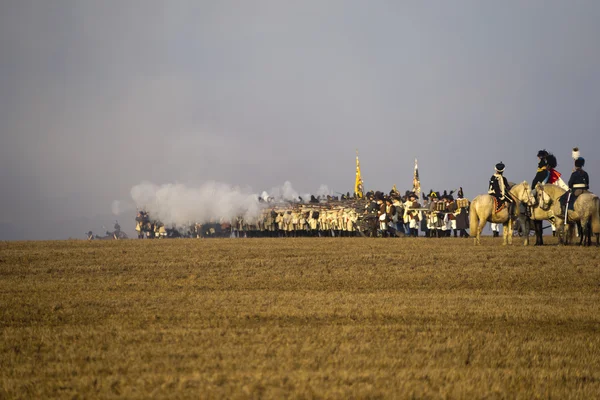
(499, 185)
(554, 177)
(579, 182)
(542, 174)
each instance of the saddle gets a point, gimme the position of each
(498, 205)
(563, 201)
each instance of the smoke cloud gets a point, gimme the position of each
(116, 207)
(176, 203)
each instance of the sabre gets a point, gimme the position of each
(567, 208)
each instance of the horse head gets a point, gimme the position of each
(543, 199)
(522, 193)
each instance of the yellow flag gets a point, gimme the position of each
(358, 183)
(416, 181)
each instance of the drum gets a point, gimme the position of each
(462, 203)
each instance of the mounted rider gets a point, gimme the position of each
(499, 186)
(543, 174)
(579, 183)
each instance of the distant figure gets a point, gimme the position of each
(495, 229)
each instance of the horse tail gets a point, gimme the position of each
(473, 217)
(596, 215)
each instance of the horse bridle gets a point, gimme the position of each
(542, 192)
(528, 195)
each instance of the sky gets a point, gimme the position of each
(97, 97)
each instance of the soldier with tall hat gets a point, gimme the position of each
(579, 182)
(542, 173)
(499, 185)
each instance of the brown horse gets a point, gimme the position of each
(482, 211)
(586, 209)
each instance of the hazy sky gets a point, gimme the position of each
(98, 96)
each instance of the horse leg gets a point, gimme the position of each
(507, 232)
(560, 230)
(584, 233)
(474, 225)
(539, 231)
(589, 233)
(524, 223)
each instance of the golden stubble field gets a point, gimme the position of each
(298, 318)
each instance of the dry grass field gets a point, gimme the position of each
(298, 318)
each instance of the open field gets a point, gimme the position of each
(273, 318)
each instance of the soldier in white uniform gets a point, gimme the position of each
(412, 217)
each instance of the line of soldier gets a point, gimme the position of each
(375, 215)
(437, 215)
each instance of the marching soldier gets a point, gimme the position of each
(279, 223)
(451, 207)
(411, 216)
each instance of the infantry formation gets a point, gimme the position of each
(375, 214)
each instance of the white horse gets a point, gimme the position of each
(482, 211)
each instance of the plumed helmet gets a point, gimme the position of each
(542, 153)
(580, 162)
(500, 167)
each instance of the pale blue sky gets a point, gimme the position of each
(97, 96)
